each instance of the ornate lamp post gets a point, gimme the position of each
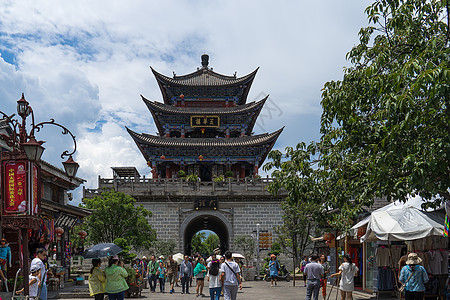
(21, 193)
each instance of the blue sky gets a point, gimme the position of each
(85, 64)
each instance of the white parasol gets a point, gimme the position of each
(178, 257)
(237, 255)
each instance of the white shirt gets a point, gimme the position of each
(347, 276)
(40, 264)
(33, 289)
(230, 278)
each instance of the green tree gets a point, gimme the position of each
(197, 242)
(212, 242)
(247, 245)
(295, 172)
(116, 215)
(385, 126)
(164, 248)
(126, 254)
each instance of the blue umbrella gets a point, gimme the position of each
(102, 250)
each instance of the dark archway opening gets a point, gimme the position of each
(206, 222)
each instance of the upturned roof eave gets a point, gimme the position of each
(158, 141)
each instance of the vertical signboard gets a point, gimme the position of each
(15, 187)
(35, 191)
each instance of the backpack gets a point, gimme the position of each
(214, 270)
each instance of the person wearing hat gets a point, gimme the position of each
(33, 285)
(116, 285)
(274, 266)
(413, 276)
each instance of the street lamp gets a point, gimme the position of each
(257, 252)
(20, 172)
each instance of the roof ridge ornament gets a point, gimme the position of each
(205, 60)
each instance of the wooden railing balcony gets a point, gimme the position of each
(143, 186)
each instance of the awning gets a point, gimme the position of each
(403, 224)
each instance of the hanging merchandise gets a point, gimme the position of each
(446, 226)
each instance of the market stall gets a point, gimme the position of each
(395, 230)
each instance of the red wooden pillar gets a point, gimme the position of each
(168, 172)
(242, 172)
(256, 170)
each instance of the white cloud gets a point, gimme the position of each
(85, 63)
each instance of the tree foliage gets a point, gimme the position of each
(385, 125)
(126, 255)
(295, 173)
(247, 245)
(115, 215)
(164, 248)
(204, 244)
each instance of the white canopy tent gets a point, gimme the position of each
(403, 224)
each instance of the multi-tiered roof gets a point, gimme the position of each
(205, 126)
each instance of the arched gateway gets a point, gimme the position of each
(213, 221)
(205, 135)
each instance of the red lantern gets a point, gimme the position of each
(59, 231)
(182, 96)
(328, 236)
(162, 157)
(200, 157)
(82, 234)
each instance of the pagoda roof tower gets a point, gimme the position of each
(205, 84)
(205, 126)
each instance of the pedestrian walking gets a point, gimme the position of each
(215, 286)
(161, 273)
(116, 284)
(314, 272)
(274, 266)
(97, 280)
(186, 273)
(347, 271)
(413, 276)
(199, 273)
(152, 269)
(41, 255)
(230, 277)
(302, 268)
(326, 269)
(192, 261)
(172, 270)
(33, 284)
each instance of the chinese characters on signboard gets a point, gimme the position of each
(15, 187)
(205, 121)
(205, 203)
(35, 195)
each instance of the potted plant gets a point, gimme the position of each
(181, 174)
(229, 174)
(220, 180)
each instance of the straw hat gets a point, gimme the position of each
(413, 259)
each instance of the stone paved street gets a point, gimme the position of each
(253, 290)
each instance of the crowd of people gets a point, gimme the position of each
(222, 274)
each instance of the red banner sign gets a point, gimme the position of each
(15, 187)
(34, 205)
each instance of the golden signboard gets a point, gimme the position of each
(205, 121)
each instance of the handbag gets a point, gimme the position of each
(402, 287)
